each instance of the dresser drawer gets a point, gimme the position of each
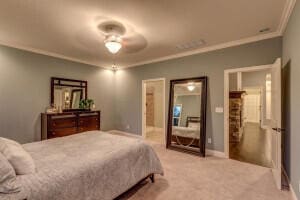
(63, 123)
(89, 121)
(62, 132)
(69, 123)
(88, 128)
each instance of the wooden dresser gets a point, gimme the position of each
(69, 123)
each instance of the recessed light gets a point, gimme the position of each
(264, 30)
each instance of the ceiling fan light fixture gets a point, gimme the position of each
(113, 44)
(191, 86)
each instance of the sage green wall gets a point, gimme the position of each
(291, 63)
(25, 90)
(128, 114)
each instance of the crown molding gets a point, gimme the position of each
(288, 9)
(289, 6)
(209, 48)
(47, 53)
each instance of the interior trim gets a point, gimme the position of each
(215, 153)
(210, 48)
(47, 53)
(289, 6)
(226, 99)
(288, 9)
(294, 196)
(144, 127)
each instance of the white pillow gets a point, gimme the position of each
(8, 183)
(21, 160)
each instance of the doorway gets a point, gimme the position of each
(248, 140)
(153, 110)
(271, 114)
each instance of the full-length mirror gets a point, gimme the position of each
(187, 115)
(67, 93)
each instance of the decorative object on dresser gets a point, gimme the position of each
(236, 121)
(69, 123)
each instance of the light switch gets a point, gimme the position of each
(209, 140)
(219, 110)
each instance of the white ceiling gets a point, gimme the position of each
(69, 28)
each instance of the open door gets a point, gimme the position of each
(275, 121)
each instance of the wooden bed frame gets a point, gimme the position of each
(192, 119)
(150, 176)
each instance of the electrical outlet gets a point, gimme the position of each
(219, 110)
(209, 140)
(127, 127)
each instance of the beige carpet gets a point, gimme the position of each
(189, 177)
(155, 136)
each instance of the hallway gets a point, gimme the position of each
(254, 147)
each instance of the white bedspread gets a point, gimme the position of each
(188, 132)
(88, 166)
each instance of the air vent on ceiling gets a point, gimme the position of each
(190, 45)
(264, 30)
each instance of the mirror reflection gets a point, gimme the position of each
(186, 121)
(66, 94)
(68, 97)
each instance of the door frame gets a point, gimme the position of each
(226, 98)
(144, 106)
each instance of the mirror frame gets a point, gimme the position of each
(83, 85)
(203, 106)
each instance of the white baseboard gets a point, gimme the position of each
(125, 133)
(215, 153)
(149, 129)
(153, 128)
(294, 196)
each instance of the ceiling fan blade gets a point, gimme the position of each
(134, 43)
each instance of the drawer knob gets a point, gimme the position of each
(53, 133)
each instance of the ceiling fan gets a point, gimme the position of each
(117, 37)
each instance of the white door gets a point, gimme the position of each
(252, 108)
(275, 122)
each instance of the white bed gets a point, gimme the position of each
(187, 132)
(92, 165)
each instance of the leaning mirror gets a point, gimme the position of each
(187, 115)
(66, 94)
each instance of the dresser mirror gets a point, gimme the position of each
(67, 93)
(187, 115)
